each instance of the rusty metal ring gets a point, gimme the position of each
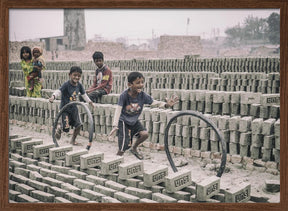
(210, 123)
(90, 120)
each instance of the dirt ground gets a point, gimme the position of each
(234, 174)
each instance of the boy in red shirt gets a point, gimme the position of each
(102, 83)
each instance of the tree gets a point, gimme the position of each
(273, 30)
(254, 28)
(234, 34)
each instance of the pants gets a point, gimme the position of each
(95, 95)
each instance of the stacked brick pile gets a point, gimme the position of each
(240, 95)
(188, 136)
(188, 64)
(44, 173)
(246, 82)
(235, 101)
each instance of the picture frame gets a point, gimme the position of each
(147, 4)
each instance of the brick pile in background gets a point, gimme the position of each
(245, 82)
(188, 64)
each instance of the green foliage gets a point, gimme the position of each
(274, 28)
(255, 28)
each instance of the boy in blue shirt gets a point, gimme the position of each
(129, 108)
(69, 92)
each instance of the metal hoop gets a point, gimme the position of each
(90, 120)
(208, 121)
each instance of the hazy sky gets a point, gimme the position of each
(134, 24)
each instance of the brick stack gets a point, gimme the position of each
(240, 95)
(48, 174)
(226, 81)
(188, 64)
(248, 136)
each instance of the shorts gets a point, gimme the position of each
(124, 138)
(71, 118)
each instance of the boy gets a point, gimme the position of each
(69, 92)
(129, 108)
(102, 83)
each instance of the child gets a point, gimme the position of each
(26, 65)
(38, 66)
(69, 92)
(129, 108)
(102, 83)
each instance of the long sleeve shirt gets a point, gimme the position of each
(102, 79)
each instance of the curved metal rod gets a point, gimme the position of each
(90, 120)
(208, 121)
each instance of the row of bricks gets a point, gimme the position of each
(210, 102)
(200, 147)
(87, 75)
(232, 103)
(209, 143)
(20, 193)
(119, 81)
(20, 91)
(244, 133)
(204, 190)
(255, 110)
(193, 147)
(186, 64)
(207, 96)
(185, 94)
(185, 133)
(81, 157)
(216, 84)
(206, 81)
(256, 153)
(94, 179)
(155, 120)
(245, 136)
(117, 194)
(194, 151)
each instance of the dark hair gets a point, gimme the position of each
(133, 76)
(97, 55)
(75, 69)
(27, 50)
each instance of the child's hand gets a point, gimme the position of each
(113, 132)
(51, 99)
(91, 103)
(172, 101)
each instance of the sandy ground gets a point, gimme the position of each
(234, 174)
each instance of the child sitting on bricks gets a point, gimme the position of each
(129, 108)
(102, 83)
(69, 92)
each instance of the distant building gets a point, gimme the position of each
(74, 32)
(55, 43)
(178, 46)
